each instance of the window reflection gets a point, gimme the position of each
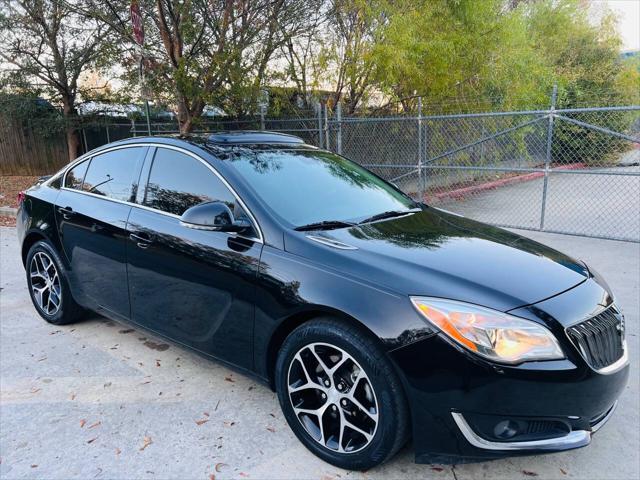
(306, 186)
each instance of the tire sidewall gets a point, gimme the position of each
(384, 440)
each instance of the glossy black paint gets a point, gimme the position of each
(235, 297)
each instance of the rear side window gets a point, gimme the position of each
(111, 174)
(75, 176)
(177, 182)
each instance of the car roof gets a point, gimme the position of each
(218, 143)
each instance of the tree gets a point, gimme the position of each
(300, 51)
(201, 52)
(354, 27)
(50, 44)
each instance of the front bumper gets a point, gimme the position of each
(451, 390)
(572, 439)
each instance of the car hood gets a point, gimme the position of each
(436, 253)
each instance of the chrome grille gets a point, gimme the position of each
(599, 339)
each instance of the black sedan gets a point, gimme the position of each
(374, 317)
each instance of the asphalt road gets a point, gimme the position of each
(604, 205)
(101, 400)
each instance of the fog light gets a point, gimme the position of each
(506, 429)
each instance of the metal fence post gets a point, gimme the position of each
(420, 153)
(339, 128)
(326, 127)
(319, 110)
(547, 161)
(133, 127)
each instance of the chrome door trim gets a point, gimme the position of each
(88, 155)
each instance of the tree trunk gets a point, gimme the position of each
(74, 146)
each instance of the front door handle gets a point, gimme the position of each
(142, 240)
(66, 212)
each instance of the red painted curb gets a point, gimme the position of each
(462, 192)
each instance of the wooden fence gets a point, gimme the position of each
(24, 152)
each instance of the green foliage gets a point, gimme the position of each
(30, 111)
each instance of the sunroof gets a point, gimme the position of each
(253, 137)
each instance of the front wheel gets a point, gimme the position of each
(340, 394)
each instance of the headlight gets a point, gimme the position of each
(491, 334)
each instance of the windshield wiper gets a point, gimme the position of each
(388, 214)
(324, 225)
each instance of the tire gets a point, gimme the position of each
(46, 274)
(348, 353)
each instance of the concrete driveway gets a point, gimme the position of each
(102, 400)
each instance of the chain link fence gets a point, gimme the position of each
(571, 171)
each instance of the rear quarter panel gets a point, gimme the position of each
(36, 218)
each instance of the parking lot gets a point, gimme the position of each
(102, 400)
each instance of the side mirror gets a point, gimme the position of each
(215, 216)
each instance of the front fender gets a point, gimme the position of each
(290, 286)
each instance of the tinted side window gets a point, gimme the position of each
(75, 176)
(178, 182)
(111, 174)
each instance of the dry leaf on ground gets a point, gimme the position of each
(147, 441)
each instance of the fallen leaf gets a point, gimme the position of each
(437, 469)
(272, 415)
(212, 477)
(271, 429)
(34, 466)
(144, 383)
(202, 422)
(229, 424)
(73, 396)
(206, 414)
(92, 440)
(529, 473)
(157, 363)
(219, 466)
(564, 472)
(82, 422)
(94, 425)
(118, 451)
(229, 379)
(35, 390)
(147, 442)
(242, 474)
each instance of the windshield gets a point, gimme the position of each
(304, 187)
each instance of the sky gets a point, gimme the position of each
(628, 12)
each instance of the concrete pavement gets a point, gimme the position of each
(102, 400)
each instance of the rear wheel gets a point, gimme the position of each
(341, 395)
(48, 286)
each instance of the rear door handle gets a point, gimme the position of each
(66, 212)
(142, 240)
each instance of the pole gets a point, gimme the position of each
(319, 109)
(261, 117)
(420, 153)
(547, 161)
(326, 126)
(339, 131)
(143, 90)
